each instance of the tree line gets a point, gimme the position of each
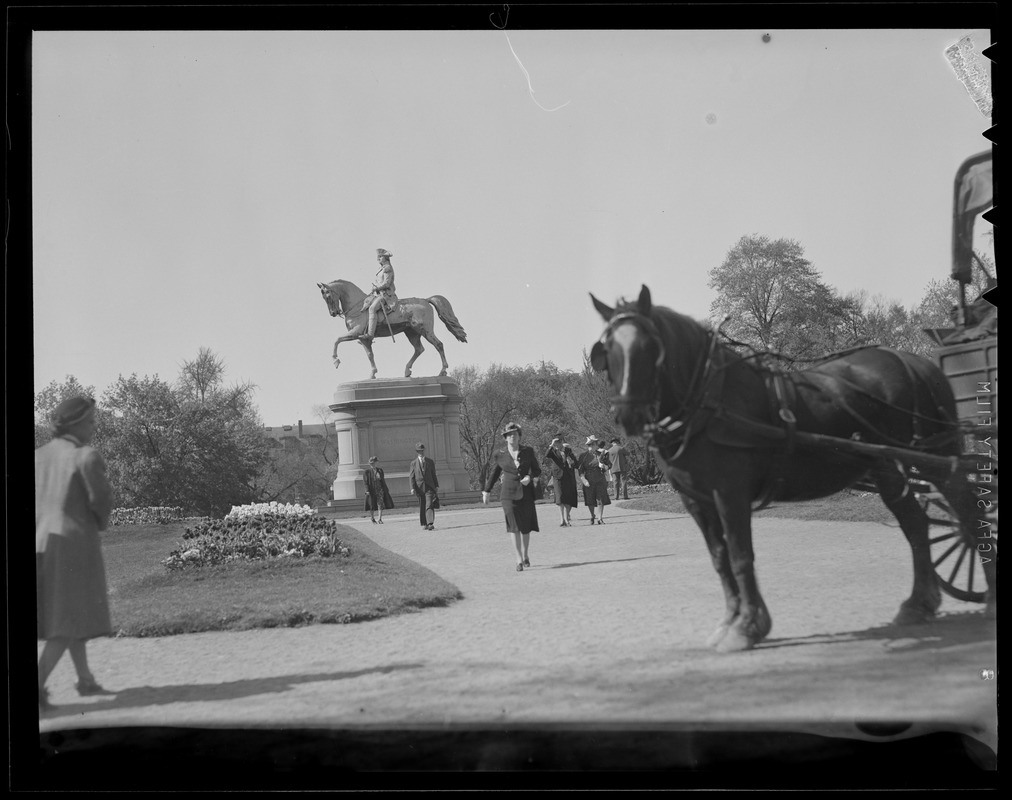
(199, 443)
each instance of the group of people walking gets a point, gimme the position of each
(518, 467)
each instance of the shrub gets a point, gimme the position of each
(253, 537)
(145, 516)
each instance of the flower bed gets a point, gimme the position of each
(287, 510)
(252, 537)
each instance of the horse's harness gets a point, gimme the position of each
(669, 437)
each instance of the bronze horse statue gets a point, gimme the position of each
(413, 317)
(725, 431)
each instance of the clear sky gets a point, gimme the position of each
(192, 188)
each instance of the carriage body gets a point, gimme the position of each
(968, 357)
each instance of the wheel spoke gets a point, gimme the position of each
(946, 554)
(969, 578)
(942, 538)
(959, 563)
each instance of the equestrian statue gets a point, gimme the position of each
(381, 313)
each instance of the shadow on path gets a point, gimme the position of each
(138, 696)
(948, 630)
(606, 561)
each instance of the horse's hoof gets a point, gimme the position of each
(734, 642)
(719, 633)
(762, 624)
(913, 615)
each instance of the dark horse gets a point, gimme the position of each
(725, 429)
(413, 317)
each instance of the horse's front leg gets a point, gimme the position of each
(709, 523)
(753, 622)
(348, 337)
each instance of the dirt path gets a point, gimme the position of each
(605, 629)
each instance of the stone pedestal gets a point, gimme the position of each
(386, 418)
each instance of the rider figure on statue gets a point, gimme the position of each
(382, 294)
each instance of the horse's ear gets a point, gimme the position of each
(598, 357)
(643, 303)
(602, 309)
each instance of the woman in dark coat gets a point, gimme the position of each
(519, 468)
(73, 502)
(562, 465)
(377, 495)
(593, 466)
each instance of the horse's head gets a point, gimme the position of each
(332, 299)
(632, 354)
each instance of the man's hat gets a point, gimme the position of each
(373, 459)
(381, 253)
(512, 428)
(419, 447)
(616, 441)
(590, 440)
(71, 411)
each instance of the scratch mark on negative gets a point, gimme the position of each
(530, 88)
(971, 73)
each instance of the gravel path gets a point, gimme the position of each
(605, 629)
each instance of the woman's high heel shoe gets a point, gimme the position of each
(85, 688)
(527, 562)
(520, 567)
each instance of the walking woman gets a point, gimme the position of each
(377, 495)
(518, 466)
(593, 466)
(73, 501)
(562, 465)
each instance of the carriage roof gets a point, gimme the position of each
(973, 193)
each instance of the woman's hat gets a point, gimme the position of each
(381, 253)
(71, 411)
(373, 459)
(419, 447)
(591, 440)
(511, 428)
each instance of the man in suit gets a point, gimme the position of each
(424, 486)
(619, 466)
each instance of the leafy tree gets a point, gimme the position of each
(301, 470)
(50, 397)
(198, 445)
(775, 299)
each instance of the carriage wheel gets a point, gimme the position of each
(957, 566)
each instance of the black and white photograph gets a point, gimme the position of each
(507, 397)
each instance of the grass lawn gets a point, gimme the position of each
(847, 506)
(148, 600)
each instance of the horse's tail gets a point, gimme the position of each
(445, 311)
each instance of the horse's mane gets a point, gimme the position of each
(351, 290)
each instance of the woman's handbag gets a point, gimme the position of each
(539, 489)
